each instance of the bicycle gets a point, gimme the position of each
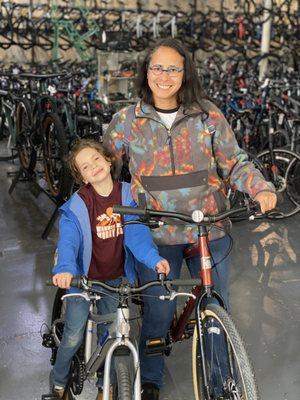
(115, 342)
(212, 323)
(11, 93)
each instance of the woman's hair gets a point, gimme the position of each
(191, 91)
(81, 144)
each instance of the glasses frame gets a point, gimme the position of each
(167, 70)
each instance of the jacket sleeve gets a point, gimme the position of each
(138, 239)
(67, 247)
(114, 136)
(233, 161)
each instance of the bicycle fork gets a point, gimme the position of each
(122, 339)
(208, 292)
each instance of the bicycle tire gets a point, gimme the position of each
(287, 183)
(55, 148)
(239, 384)
(26, 152)
(122, 388)
(76, 380)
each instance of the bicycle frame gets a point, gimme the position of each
(205, 289)
(103, 353)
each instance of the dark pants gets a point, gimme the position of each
(158, 314)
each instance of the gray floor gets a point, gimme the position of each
(265, 283)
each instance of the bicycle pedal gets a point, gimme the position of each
(48, 341)
(157, 346)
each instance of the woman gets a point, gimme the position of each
(179, 164)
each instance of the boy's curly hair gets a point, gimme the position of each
(81, 144)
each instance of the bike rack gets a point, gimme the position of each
(24, 176)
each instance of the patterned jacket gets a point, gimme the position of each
(180, 169)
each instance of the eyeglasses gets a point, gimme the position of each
(173, 72)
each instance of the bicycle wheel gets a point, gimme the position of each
(6, 146)
(122, 388)
(285, 175)
(57, 316)
(55, 148)
(76, 381)
(229, 371)
(26, 152)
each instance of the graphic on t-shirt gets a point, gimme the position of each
(109, 227)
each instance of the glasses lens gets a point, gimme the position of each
(156, 70)
(173, 72)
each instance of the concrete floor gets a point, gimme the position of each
(265, 283)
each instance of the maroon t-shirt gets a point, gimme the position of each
(107, 233)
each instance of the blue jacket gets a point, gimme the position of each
(74, 250)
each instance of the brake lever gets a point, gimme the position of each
(174, 294)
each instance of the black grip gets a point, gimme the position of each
(128, 210)
(186, 282)
(75, 282)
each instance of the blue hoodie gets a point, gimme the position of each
(74, 249)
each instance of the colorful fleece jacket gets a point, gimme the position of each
(178, 169)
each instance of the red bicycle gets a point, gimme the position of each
(218, 351)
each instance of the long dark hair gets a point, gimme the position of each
(191, 91)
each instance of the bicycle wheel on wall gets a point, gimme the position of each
(285, 175)
(27, 153)
(229, 371)
(55, 148)
(122, 387)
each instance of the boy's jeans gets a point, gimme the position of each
(77, 312)
(158, 314)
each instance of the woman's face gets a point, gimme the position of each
(165, 85)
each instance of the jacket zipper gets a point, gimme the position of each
(170, 144)
(169, 141)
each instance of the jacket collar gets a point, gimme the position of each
(144, 110)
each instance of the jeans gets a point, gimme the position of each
(77, 311)
(158, 314)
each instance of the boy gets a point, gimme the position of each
(94, 244)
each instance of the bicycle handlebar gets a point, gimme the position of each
(197, 216)
(82, 282)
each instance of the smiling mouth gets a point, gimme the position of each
(163, 86)
(98, 172)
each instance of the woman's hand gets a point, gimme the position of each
(62, 280)
(266, 200)
(162, 267)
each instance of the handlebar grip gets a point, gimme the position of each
(125, 210)
(186, 282)
(75, 282)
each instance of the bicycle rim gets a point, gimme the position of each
(228, 369)
(55, 149)
(26, 152)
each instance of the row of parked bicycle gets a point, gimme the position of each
(122, 28)
(43, 113)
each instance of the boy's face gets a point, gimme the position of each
(93, 167)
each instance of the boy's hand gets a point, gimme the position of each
(62, 280)
(162, 267)
(266, 200)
